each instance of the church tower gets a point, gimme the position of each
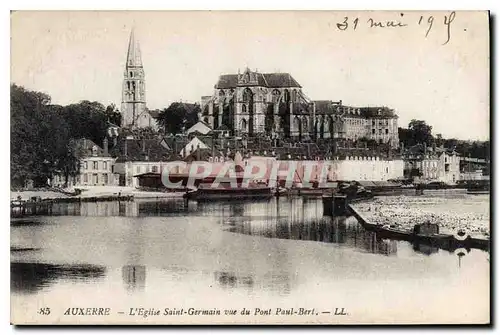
(133, 108)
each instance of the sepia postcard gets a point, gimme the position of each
(250, 167)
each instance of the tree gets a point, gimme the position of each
(439, 141)
(41, 135)
(405, 136)
(113, 114)
(421, 132)
(30, 134)
(87, 119)
(178, 116)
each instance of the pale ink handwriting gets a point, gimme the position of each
(427, 22)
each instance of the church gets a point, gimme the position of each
(251, 103)
(133, 107)
(254, 103)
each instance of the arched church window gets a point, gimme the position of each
(128, 85)
(276, 95)
(243, 125)
(131, 74)
(304, 124)
(286, 95)
(297, 124)
(247, 94)
(244, 109)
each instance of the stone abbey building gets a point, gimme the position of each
(251, 103)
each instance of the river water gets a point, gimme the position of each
(276, 254)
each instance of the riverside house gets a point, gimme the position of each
(96, 166)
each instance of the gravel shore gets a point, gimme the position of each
(468, 213)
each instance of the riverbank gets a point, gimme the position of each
(451, 214)
(95, 192)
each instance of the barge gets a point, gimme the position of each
(226, 191)
(425, 233)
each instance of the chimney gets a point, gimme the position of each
(105, 145)
(125, 153)
(114, 141)
(143, 145)
(425, 148)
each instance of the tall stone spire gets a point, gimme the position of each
(134, 51)
(133, 108)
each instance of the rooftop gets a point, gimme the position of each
(270, 80)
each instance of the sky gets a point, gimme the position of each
(75, 56)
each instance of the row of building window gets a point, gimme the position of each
(356, 122)
(380, 122)
(93, 178)
(95, 165)
(380, 131)
(429, 164)
(150, 168)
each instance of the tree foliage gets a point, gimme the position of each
(178, 117)
(42, 134)
(419, 132)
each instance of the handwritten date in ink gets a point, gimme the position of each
(447, 20)
(428, 22)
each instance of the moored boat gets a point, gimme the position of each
(226, 191)
(479, 187)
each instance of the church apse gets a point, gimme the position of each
(254, 103)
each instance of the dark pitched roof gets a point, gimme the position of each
(325, 106)
(200, 154)
(227, 81)
(376, 112)
(280, 80)
(331, 107)
(301, 107)
(263, 79)
(83, 147)
(176, 143)
(140, 150)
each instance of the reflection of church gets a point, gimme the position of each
(134, 277)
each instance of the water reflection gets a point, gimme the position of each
(279, 250)
(134, 277)
(286, 218)
(298, 219)
(123, 208)
(32, 277)
(271, 282)
(425, 249)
